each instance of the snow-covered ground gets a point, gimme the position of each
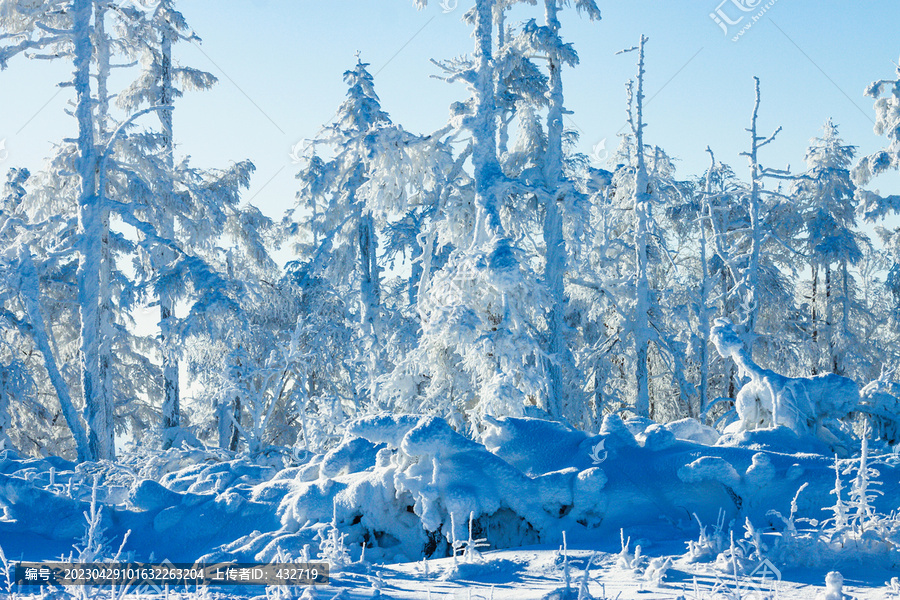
(660, 511)
(539, 572)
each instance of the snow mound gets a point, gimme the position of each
(805, 405)
(513, 440)
(693, 430)
(712, 468)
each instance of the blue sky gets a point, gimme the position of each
(280, 64)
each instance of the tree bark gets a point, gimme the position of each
(815, 319)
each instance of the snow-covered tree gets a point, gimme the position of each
(748, 287)
(66, 29)
(709, 193)
(874, 206)
(364, 206)
(641, 196)
(630, 266)
(185, 209)
(126, 185)
(556, 194)
(480, 349)
(757, 244)
(886, 93)
(31, 267)
(832, 240)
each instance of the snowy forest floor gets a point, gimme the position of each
(526, 486)
(535, 573)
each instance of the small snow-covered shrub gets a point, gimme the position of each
(8, 576)
(711, 542)
(332, 547)
(834, 587)
(893, 587)
(628, 560)
(468, 548)
(854, 532)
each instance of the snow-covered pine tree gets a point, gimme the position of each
(66, 29)
(481, 313)
(833, 245)
(362, 209)
(178, 206)
(341, 223)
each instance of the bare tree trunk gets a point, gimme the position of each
(845, 319)
(97, 407)
(171, 408)
(641, 204)
(829, 320)
(555, 245)
(815, 319)
(235, 432)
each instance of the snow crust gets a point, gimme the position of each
(407, 486)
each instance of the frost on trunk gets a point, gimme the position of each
(370, 285)
(485, 163)
(641, 204)
(748, 288)
(704, 311)
(38, 330)
(171, 406)
(98, 406)
(491, 255)
(102, 53)
(228, 421)
(560, 363)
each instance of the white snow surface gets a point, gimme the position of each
(406, 486)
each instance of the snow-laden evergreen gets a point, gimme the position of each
(834, 245)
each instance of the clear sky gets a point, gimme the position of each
(280, 64)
